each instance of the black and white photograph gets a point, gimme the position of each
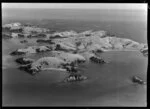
(74, 54)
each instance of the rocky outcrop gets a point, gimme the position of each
(144, 50)
(31, 49)
(75, 78)
(138, 80)
(45, 41)
(24, 61)
(64, 47)
(28, 69)
(97, 60)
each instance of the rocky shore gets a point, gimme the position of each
(97, 60)
(45, 41)
(31, 49)
(68, 49)
(24, 61)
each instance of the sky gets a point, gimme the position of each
(141, 6)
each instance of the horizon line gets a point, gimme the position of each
(126, 6)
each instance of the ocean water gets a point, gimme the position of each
(107, 84)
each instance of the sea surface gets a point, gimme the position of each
(123, 23)
(108, 84)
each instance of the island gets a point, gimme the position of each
(68, 49)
